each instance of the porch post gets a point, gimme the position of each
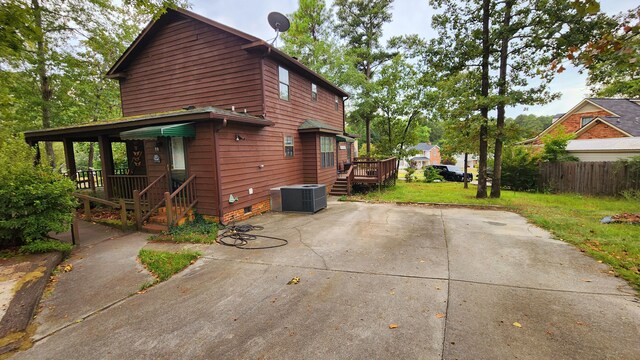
(70, 158)
(106, 157)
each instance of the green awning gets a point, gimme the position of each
(152, 132)
(342, 138)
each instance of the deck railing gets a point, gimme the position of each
(149, 199)
(374, 171)
(123, 186)
(181, 201)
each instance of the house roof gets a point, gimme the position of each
(630, 144)
(628, 111)
(420, 158)
(311, 125)
(254, 44)
(625, 115)
(422, 147)
(114, 126)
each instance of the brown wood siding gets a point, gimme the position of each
(201, 162)
(190, 63)
(154, 170)
(310, 149)
(240, 160)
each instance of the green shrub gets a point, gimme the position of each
(45, 246)
(33, 200)
(519, 169)
(409, 175)
(200, 230)
(555, 146)
(431, 174)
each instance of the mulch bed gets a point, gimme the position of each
(626, 218)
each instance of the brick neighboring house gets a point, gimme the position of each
(428, 155)
(597, 118)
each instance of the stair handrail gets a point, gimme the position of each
(350, 177)
(137, 202)
(181, 201)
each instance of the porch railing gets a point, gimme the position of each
(181, 201)
(123, 186)
(149, 199)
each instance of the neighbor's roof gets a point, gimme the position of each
(628, 111)
(254, 44)
(420, 158)
(628, 144)
(422, 146)
(317, 125)
(132, 122)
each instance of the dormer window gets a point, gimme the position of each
(283, 78)
(314, 92)
(585, 120)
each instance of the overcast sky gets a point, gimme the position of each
(409, 17)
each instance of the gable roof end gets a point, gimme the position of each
(253, 44)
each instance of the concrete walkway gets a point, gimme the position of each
(457, 283)
(105, 272)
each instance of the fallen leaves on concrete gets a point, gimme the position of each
(294, 281)
(393, 326)
(440, 315)
(517, 324)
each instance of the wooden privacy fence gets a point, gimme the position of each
(589, 178)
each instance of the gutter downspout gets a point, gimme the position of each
(218, 175)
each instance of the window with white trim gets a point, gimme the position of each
(314, 92)
(337, 101)
(288, 146)
(585, 120)
(327, 154)
(283, 78)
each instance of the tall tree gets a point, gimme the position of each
(401, 102)
(312, 39)
(511, 42)
(360, 23)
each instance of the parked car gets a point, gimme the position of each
(451, 173)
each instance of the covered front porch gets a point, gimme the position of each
(155, 181)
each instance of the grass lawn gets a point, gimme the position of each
(163, 264)
(570, 217)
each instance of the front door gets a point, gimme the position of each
(178, 166)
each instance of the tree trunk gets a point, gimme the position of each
(367, 123)
(496, 181)
(484, 110)
(466, 167)
(45, 86)
(92, 152)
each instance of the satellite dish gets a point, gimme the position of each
(279, 23)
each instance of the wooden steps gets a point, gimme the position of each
(158, 222)
(339, 188)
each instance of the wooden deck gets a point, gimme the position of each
(373, 172)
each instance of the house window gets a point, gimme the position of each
(288, 146)
(337, 102)
(585, 120)
(314, 92)
(283, 77)
(327, 151)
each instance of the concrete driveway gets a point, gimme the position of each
(454, 281)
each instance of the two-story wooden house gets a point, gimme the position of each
(215, 117)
